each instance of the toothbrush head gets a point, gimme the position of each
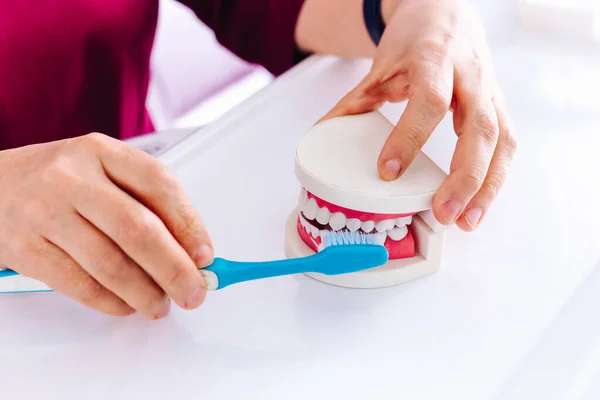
(349, 252)
(337, 238)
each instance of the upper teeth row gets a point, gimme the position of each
(338, 220)
(398, 233)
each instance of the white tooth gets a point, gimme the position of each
(404, 221)
(337, 221)
(353, 224)
(323, 216)
(314, 231)
(398, 233)
(368, 226)
(310, 209)
(302, 220)
(380, 237)
(385, 225)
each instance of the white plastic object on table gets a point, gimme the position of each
(348, 177)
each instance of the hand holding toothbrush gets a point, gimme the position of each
(104, 223)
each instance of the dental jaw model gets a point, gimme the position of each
(336, 164)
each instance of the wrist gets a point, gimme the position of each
(388, 8)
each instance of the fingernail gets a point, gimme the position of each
(451, 210)
(203, 256)
(196, 298)
(391, 169)
(165, 310)
(473, 216)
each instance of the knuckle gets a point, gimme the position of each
(90, 290)
(436, 48)
(412, 138)
(61, 168)
(453, 19)
(472, 180)
(474, 66)
(92, 143)
(491, 186)
(190, 222)
(165, 179)
(61, 175)
(140, 227)
(95, 139)
(487, 127)
(94, 295)
(437, 102)
(511, 145)
(112, 263)
(178, 273)
(475, 71)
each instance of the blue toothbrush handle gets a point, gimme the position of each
(4, 273)
(231, 272)
(331, 261)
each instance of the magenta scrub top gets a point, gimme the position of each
(70, 67)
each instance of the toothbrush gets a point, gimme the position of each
(5, 273)
(339, 253)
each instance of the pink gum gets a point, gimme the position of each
(363, 216)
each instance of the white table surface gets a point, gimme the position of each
(479, 329)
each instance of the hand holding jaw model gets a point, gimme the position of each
(378, 180)
(439, 65)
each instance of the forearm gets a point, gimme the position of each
(337, 27)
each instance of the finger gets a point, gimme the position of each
(105, 261)
(496, 176)
(145, 239)
(474, 150)
(364, 98)
(458, 119)
(428, 103)
(51, 265)
(156, 186)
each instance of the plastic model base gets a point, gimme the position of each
(427, 260)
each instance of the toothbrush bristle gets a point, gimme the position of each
(337, 238)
